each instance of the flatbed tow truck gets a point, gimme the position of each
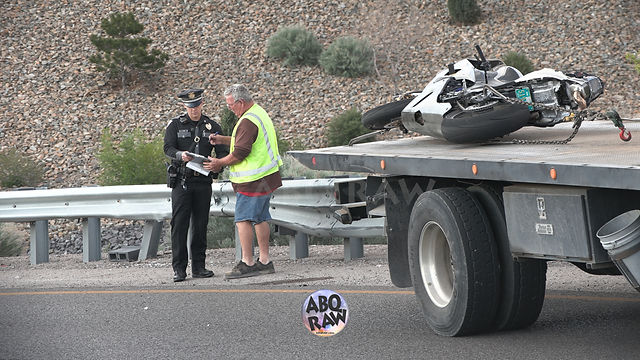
(471, 226)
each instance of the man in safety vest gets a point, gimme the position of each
(254, 164)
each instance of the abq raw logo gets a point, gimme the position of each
(325, 313)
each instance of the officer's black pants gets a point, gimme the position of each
(190, 204)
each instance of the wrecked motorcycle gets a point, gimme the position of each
(475, 100)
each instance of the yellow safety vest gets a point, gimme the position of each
(264, 158)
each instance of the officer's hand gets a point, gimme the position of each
(186, 157)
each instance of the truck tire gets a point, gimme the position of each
(522, 282)
(454, 262)
(379, 117)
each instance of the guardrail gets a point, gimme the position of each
(299, 208)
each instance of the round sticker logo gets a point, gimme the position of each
(325, 313)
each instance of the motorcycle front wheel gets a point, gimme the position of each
(500, 119)
(378, 118)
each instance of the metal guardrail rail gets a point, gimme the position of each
(300, 207)
(139, 202)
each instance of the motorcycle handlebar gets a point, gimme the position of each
(483, 59)
(480, 54)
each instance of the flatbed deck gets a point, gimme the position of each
(596, 157)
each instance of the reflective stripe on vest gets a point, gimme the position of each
(274, 157)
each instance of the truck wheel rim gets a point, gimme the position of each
(435, 264)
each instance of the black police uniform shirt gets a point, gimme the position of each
(180, 134)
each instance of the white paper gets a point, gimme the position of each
(197, 167)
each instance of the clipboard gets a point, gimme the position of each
(196, 163)
(197, 157)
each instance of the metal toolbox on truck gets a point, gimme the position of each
(553, 222)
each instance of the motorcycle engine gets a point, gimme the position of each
(561, 94)
(546, 93)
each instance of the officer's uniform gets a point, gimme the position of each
(191, 194)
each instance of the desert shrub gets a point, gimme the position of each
(518, 61)
(227, 121)
(466, 12)
(295, 45)
(221, 232)
(634, 59)
(348, 57)
(345, 127)
(120, 53)
(292, 168)
(10, 244)
(18, 170)
(285, 145)
(134, 161)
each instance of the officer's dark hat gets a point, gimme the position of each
(192, 97)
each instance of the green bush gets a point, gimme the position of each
(292, 168)
(287, 145)
(120, 54)
(221, 232)
(10, 244)
(296, 45)
(518, 61)
(635, 60)
(227, 121)
(466, 12)
(134, 161)
(17, 170)
(348, 57)
(345, 127)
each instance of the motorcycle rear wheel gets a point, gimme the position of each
(379, 117)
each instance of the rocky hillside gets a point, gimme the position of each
(54, 105)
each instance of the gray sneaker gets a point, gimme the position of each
(242, 270)
(265, 268)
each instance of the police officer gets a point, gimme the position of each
(191, 194)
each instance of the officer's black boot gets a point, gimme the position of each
(199, 271)
(179, 275)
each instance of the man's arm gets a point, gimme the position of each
(220, 145)
(246, 134)
(217, 139)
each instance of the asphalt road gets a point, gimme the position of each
(265, 322)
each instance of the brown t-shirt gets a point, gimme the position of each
(246, 135)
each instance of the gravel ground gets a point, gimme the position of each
(325, 267)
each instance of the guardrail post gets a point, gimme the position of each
(90, 239)
(299, 246)
(150, 239)
(39, 250)
(353, 248)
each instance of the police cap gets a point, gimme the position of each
(192, 97)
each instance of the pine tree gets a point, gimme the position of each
(120, 54)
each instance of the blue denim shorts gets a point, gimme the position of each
(252, 208)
